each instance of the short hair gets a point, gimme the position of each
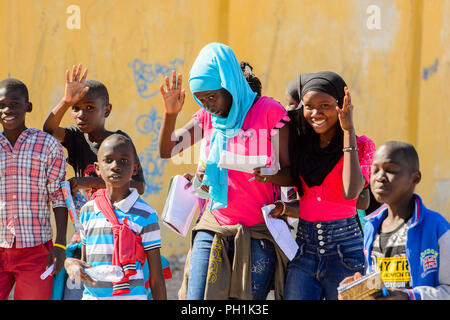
(124, 139)
(15, 84)
(408, 151)
(97, 89)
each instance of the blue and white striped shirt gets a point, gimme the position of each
(97, 236)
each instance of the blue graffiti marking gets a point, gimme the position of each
(149, 75)
(152, 164)
(428, 71)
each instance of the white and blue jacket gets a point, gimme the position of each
(427, 250)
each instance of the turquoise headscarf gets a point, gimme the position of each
(216, 67)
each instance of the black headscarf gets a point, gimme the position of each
(292, 88)
(308, 160)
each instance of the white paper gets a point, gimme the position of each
(238, 162)
(47, 272)
(280, 233)
(180, 206)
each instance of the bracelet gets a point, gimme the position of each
(350, 149)
(60, 246)
(284, 207)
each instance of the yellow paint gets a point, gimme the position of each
(383, 68)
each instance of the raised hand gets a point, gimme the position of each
(75, 89)
(172, 94)
(346, 113)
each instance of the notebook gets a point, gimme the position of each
(280, 232)
(238, 162)
(180, 207)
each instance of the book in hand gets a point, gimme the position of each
(363, 288)
(180, 206)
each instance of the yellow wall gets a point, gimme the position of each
(397, 74)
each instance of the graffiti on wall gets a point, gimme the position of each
(148, 76)
(149, 124)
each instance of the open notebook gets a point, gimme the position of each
(180, 206)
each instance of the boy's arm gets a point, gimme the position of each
(442, 291)
(74, 91)
(57, 255)
(156, 277)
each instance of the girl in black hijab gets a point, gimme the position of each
(330, 166)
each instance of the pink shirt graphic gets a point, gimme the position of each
(326, 202)
(245, 198)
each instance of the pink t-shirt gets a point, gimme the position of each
(326, 202)
(245, 199)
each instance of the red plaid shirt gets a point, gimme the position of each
(30, 177)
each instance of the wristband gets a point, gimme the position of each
(350, 149)
(60, 246)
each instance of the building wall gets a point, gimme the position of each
(394, 56)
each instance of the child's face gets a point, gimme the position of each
(216, 102)
(90, 112)
(391, 178)
(116, 163)
(320, 111)
(13, 107)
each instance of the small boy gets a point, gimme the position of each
(89, 102)
(407, 242)
(116, 164)
(32, 166)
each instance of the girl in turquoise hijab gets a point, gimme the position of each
(231, 117)
(216, 67)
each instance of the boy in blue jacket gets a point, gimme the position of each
(407, 242)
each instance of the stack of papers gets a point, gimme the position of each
(280, 232)
(180, 206)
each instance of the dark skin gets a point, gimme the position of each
(116, 165)
(13, 109)
(392, 181)
(218, 102)
(323, 114)
(89, 113)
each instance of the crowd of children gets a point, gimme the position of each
(310, 145)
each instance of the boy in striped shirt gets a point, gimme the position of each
(116, 165)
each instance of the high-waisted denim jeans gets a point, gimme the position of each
(263, 265)
(328, 252)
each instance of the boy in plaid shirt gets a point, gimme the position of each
(32, 166)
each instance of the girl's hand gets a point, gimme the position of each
(346, 113)
(75, 270)
(172, 95)
(75, 89)
(190, 178)
(280, 208)
(260, 177)
(200, 174)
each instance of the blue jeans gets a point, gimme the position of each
(328, 252)
(263, 260)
